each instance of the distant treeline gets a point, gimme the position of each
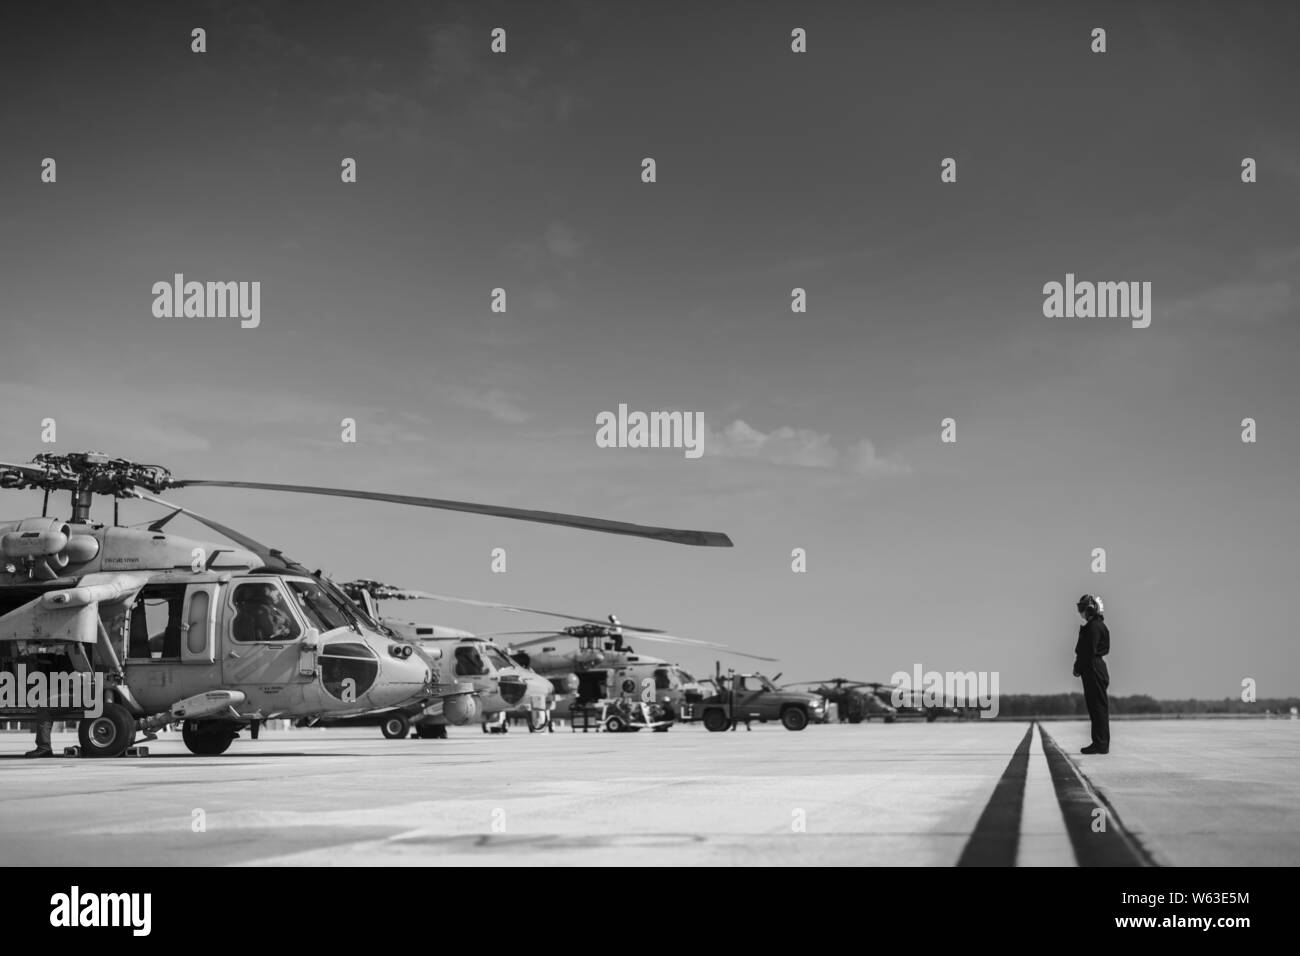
(1058, 705)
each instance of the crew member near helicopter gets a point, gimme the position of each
(1090, 665)
(44, 718)
(259, 616)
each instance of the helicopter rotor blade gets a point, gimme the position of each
(643, 633)
(27, 470)
(660, 638)
(709, 539)
(268, 554)
(514, 609)
(544, 639)
(546, 634)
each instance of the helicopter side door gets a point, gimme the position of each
(261, 634)
(200, 642)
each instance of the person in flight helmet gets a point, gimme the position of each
(1090, 665)
(259, 615)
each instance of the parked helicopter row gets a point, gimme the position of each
(218, 638)
(243, 634)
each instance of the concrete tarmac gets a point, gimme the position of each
(1218, 792)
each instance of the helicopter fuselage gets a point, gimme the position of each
(501, 684)
(592, 673)
(167, 618)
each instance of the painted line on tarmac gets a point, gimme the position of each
(995, 841)
(1080, 803)
(1044, 839)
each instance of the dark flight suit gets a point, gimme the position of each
(1089, 662)
(44, 717)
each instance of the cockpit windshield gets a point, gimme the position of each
(316, 606)
(498, 658)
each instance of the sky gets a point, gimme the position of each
(775, 170)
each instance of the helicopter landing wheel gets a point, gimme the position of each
(109, 734)
(395, 726)
(208, 738)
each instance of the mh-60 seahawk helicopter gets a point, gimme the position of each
(183, 631)
(602, 666)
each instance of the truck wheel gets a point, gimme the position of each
(715, 720)
(109, 734)
(395, 726)
(794, 718)
(208, 738)
(615, 724)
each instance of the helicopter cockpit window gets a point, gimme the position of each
(469, 663)
(156, 622)
(662, 681)
(497, 657)
(261, 614)
(320, 612)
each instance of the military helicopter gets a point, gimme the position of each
(503, 687)
(855, 701)
(247, 634)
(602, 666)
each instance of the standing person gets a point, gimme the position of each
(44, 716)
(1090, 664)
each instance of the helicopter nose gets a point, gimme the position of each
(403, 679)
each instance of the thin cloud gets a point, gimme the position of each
(497, 403)
(798, 447)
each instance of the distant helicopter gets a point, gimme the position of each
(602, 666)
(247, 634)
(503, 687)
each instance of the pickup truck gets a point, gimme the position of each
(735, 698)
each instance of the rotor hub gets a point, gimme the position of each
(86, 472)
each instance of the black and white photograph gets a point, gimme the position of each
(549, 434)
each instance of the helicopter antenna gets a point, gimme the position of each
(162, 522)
